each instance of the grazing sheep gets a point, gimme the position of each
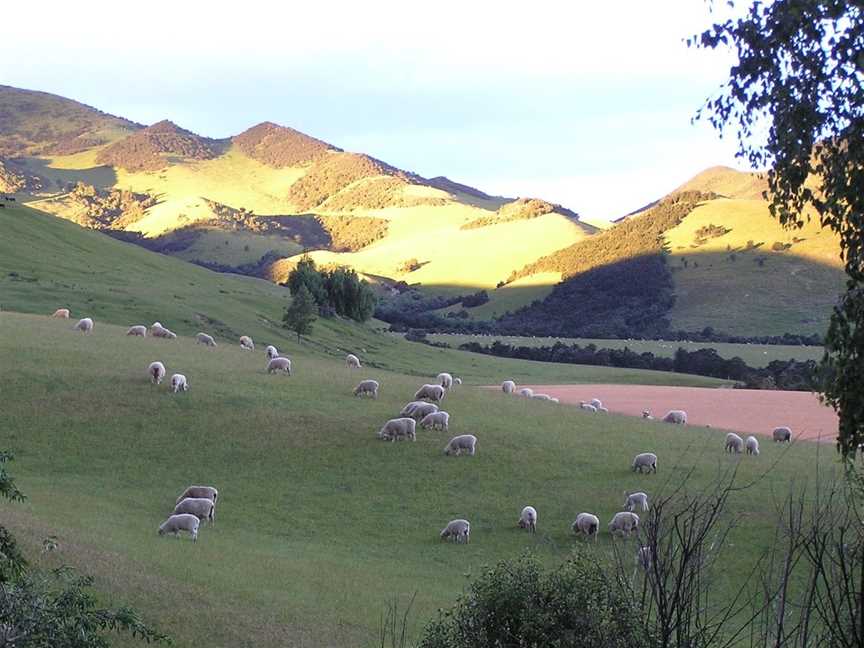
(596, 402)
(508, 386)
(458, 530)
(678, 417)
(137, 331)
(734, 443)
(646, 414)
(466, 442)
(445, 380)
(528, 519)
(634, 500)
(643, 558)
(542, 397)
(271, 352)
(162, 332)
(751, 443)
(624, 523)
(84, 325)
(782, 434)
(527, 392)
(156, 371)
(398, 428)
(586, 524)
(352, 361)
(418, 410)
(206, 340)
(457, 380)
(179, 383)
(182, 522)
(246, 343)
(279, 364)
(645, 460)
(369, 387)
(61, 313)
(436, 421)
(201, 507)
(588, 407)
(207, 492)
(434, 393)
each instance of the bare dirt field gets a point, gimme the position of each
(745, 410)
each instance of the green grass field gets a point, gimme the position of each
(237, 248)
(755, 355)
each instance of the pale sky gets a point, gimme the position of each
(585, 104)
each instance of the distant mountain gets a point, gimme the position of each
(149, 148)
(280, 147)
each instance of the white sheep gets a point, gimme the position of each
(646, 414)
(528, 519)
(279, 364)
(458, 530)
(445, 380)
(137, 331)
(751, 443)
(596, 402)
(645, 460)
(603, 410)
(527, 392)
(201, 507)
(162, 332)
(84, 325)
(369, 387)
(734, 443)
(588, 407)
(246, 343)
(207, 492)
(179, 383)
(182, 522)
(457, 380)
(418, 409)
(436, 420)
(678, 417)
(554, 400)
(271, 352)
(206, 340)
(398, 428)
(61, 313)
(156, 371)
(508, 386)
(466, 442)
(634, 500)
(782, 434)
(542, 397)
(624, 523)
(434, 393)
(586, 524)
(352, 361)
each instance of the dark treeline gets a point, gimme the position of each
(337, 292)
(779, 374)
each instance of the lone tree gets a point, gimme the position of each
(795, 99)
(302, 312)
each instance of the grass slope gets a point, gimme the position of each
(319, 524)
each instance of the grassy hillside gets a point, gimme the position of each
(319, 524)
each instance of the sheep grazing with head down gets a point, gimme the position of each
(205, 492)
(588, 407)
(527, 392)
(782, 435)
(246, 343)
(624, 523)
(181, 522)
(734, 443)
(399, 428)
(445, 380)
(137, 331)
(279, 364)
(586, 524)
(61, 313)
(156, 371)
(433, 393)
(201, 507)
(436, 421)
(179, 383)
(458, 531)
(636, 500)
(647, 460)
(541, 397)
(466, 442)
(751, 444)
(677, 417)
(596, 402)
(508, 387)
(271, 352)
(367, 388)
(206, 340)
(159, 331)
(528, 519)
(352, 361)
(418, 410)
(84, 325)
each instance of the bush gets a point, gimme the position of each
(338, 291)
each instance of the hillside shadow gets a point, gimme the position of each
(101, 177)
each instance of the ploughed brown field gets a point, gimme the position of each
(745, 410)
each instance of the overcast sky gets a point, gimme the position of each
(586, 104)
